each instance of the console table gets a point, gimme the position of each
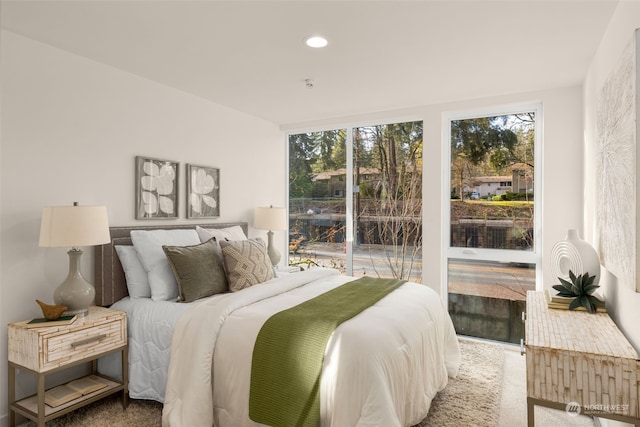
(578, 358)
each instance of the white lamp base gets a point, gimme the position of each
(75, 292)
(274, 255)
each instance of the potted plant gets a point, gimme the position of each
(581, 289)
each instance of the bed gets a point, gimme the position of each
(380, 368)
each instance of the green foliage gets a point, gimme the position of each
(580, 288)
(300, 174)
(491, 146)
(366, 191)
(483, 139)
(511, 196)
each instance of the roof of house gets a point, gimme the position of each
(487, 179)
(326, 175)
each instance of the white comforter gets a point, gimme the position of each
(381, 368)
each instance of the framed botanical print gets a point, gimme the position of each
(203, 192)
(156, 188)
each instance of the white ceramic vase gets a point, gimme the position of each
(576, 255)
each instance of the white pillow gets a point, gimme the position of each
(230, 233)
(148, 244)
(134, 272)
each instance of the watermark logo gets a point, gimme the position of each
(573, 409)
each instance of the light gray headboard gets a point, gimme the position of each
(110, 282)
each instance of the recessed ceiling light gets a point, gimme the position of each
(316, 41)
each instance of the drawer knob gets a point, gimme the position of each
(88, 341)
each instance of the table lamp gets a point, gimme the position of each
(74, 226)
(270, 218)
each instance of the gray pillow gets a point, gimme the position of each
(197, 269)
(247, 263)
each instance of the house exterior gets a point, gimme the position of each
(333, 183)
(520, 181)
(485, 186)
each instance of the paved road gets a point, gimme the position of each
(501, 280)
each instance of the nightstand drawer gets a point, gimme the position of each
(65, 348)
(43, 349)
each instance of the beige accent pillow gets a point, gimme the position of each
(247, 263)
(197, 269)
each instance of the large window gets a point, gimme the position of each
(355, 200)
(493, 231)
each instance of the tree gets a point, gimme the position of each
(396, 151)
(477, 138)
(490, 146)
(328, 150)
(391, 213)
(300, 173)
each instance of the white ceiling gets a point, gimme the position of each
(382, 55)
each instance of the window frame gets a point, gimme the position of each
(485, 254)
(349, 127)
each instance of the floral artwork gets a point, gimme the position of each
(156, 188)
(203, 192)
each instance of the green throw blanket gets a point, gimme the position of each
(289, 350)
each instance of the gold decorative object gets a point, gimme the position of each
(51, 312)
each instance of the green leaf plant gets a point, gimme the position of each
(580, 289)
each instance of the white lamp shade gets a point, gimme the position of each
(270, 218)
(74, 226)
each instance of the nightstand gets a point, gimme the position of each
(43, 351)
(579, 362)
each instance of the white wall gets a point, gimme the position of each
(622, 301)
(71, 128)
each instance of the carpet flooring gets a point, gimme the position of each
(474, 398)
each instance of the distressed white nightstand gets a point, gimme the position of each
(43, 351)
(578, 361)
